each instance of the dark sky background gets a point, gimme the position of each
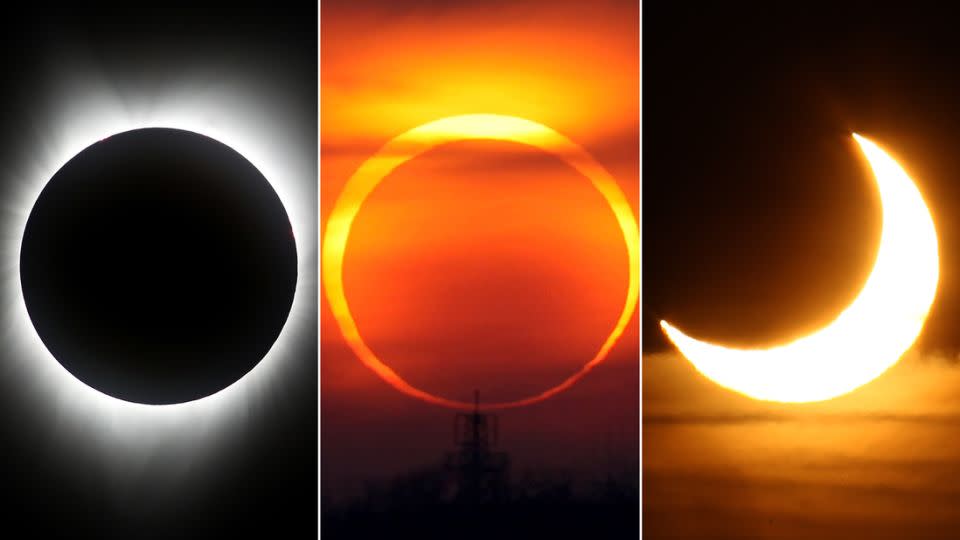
(760, 223)
(755, 195)
(256, 472)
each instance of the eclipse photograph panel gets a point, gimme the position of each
(159, 371)
(480, 276)
(800, 299)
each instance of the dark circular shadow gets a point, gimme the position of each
(158, 266)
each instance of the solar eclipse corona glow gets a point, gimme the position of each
(237, 113)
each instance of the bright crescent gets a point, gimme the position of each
(869, 336)
(418, 140)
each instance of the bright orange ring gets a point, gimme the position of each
(418, 140)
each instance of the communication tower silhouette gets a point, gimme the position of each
(480, 474)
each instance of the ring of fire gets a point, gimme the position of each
(418, 140)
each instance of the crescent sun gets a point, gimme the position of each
(869, 336)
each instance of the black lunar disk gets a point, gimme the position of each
(158, 266)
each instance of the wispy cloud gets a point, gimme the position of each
(877, 462)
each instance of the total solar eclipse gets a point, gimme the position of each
(158, 266)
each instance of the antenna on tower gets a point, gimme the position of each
(480, 473)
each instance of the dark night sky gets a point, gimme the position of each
(760, 222)
(755, 196)
(259, 474)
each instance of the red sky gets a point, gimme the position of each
(479, 264)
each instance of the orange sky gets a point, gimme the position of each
(878, 462)
(481, 253)
(481, 264)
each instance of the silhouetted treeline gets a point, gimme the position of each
(541, 504)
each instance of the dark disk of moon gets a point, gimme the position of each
(158, 266)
